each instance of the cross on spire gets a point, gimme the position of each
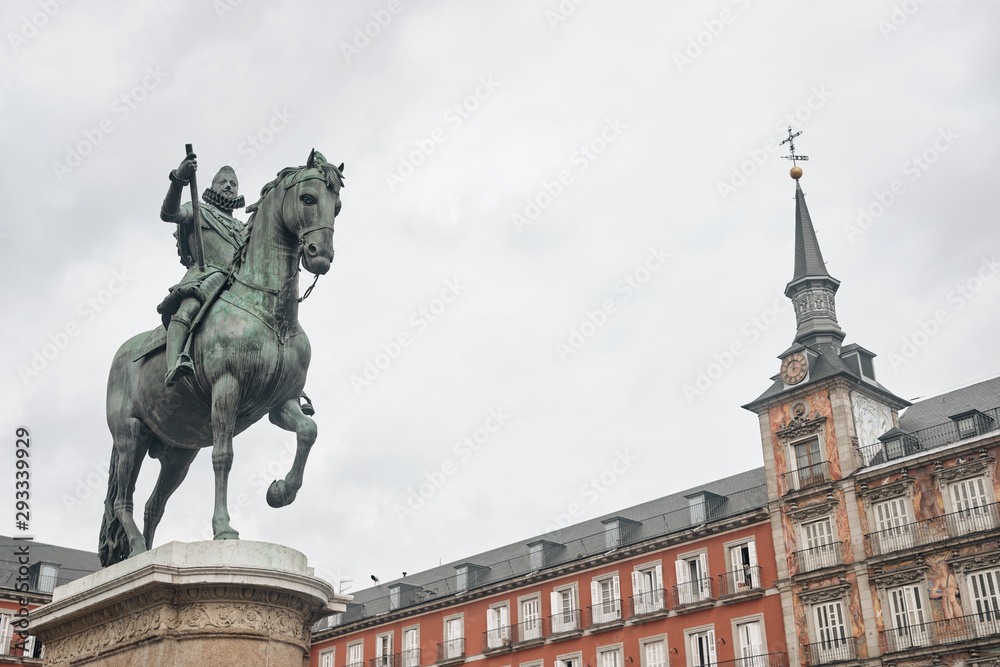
(791, 147)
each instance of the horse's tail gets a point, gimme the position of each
(113, 543)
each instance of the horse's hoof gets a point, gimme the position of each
(280, 494)
(227, 535)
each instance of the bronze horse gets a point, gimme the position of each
(250, 356)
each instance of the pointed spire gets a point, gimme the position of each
(808, 257)
(812, 289)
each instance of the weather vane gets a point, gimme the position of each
(796, 170)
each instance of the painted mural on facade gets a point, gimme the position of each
(871, 419)
(817, 405)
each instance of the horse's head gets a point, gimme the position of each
(309, 204)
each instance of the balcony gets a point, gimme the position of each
(896, 444)
(650, 602)
(808, 477)
(817, 558)
(604, 612)
(393, 660)
(693, 592)
(411, 657)
(935, 529)
(531, 630)
(763, 660)
(830, 651)
(26, 652)
(567, 620)
(499, 639)
(947, 631)
(451, 651)
(742, 581)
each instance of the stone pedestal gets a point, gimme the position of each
(216, 603)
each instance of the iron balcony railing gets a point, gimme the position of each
(649, 602)
(567, 620)
(763, 660)
(385, 661)
(835, 649)
(740, 581)
(691, 592)
(902, 444)
(947, 631)
(530, 630)
(451, 649)
(411, 657)
(816, 558)
(497, 638)
(605, 612)
(935, 529)
(807, 477)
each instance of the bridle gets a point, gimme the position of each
(302, 233)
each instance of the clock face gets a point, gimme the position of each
(794, 367)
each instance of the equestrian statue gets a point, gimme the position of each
(230, 349)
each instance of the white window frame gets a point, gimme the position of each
(453, 646)
(739, 578)
(814, 556)
(537, 630)
(612, 535)
(462, 578)
(326, 657)
(688, 590)
(360, 645)
(536, 557)
(740, 649)
(795, 473)
(893, 519)
(828, 644)
(977, 514)
(613, 651)
(383, 649)
(560, 613)
(690, 637)
(574, 659)
(648, 575)
(498, 625)
(644, 642)
(911, 602)
(985, 609)
(605, 598)
(6, 632)
(409, 659)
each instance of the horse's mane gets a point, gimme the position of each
(331, 173)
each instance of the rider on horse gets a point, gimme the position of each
(222, 236)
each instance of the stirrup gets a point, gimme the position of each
(184, 366)
(307, 406)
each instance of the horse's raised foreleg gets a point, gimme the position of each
(130, 445)
(225, 398)
(289, 417)
(174, 464)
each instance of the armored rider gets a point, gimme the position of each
(222, 237)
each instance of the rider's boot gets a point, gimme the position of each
(176, 335)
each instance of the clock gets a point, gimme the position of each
(794, 368)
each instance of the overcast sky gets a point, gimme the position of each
(595, 190)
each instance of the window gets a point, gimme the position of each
(355, 654)
(892, 523)
(831, 633)
(47, 578)
(411, 647)
(536, 556)
(393, 597)
(693, 581)
(462, 578)
(326, 658)
(498, 626)
(6, 633)
(531, 618)
(569, 660)
(610, 656)
(383, 650)
(612, 536)
(808, 464)
(973, 505)
(454, 638)
(744, 574)
(653, 652)
(606, 600)
(820, 551)
(984, 589)
(906, 610)
(647, 589)
(697, 506)
(565, 613)
(751, 643)
(701, 648)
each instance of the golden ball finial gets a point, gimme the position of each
(796, 172)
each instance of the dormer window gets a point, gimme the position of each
(536, 556)
(619, 531)
(462, 578)
(469, 575)
(703, 506)
(972, 423)
(43, 577)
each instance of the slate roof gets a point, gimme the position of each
(936, 410)
(808, 257)
(72, 563)
(730, 496)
